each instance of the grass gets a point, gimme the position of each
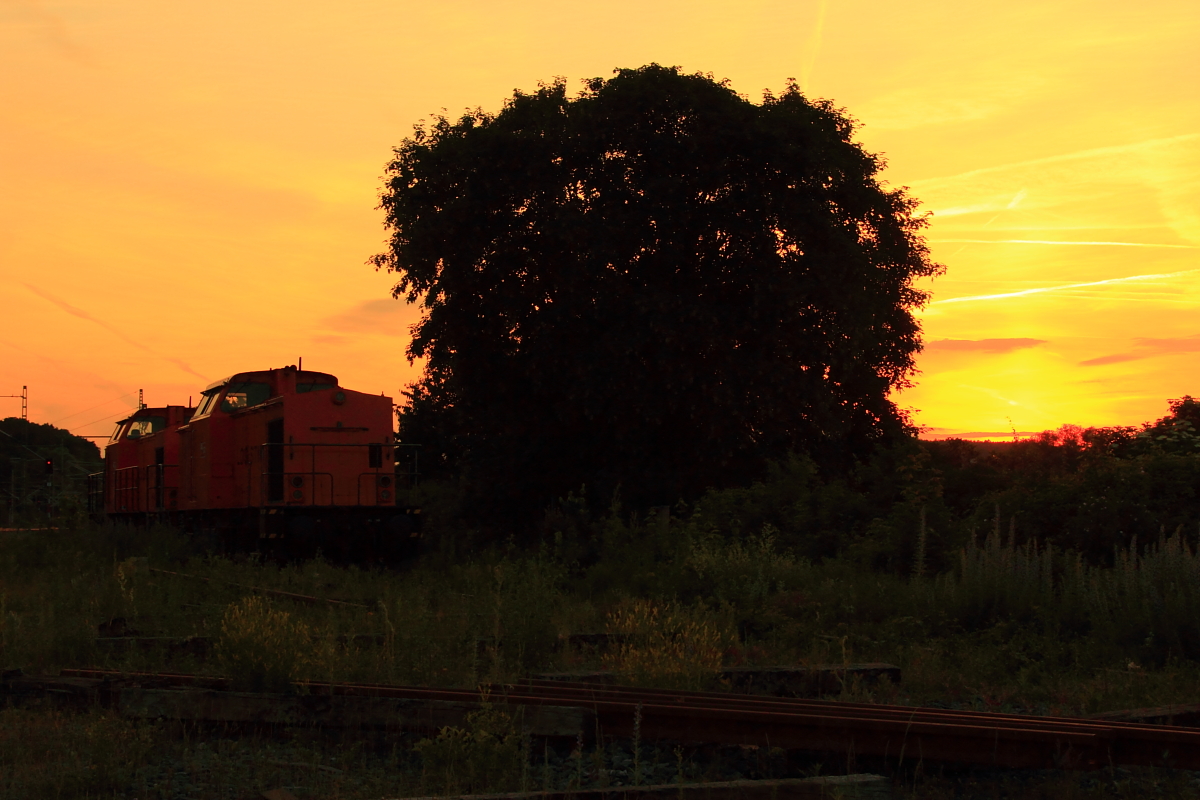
(50, 753)
(1012, 628)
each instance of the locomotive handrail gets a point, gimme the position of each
(146, 488)
(278, 488)
(382, 486)
(159, 485)
(131, 492)
(126, 489)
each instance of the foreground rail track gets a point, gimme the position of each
(898, 733)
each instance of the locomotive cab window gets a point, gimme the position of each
(145, 426)
(245, 395)
(205, 407)
(303, 386)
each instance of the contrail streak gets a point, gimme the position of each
(1045, 289)
(814, 45)
(81, 314)
(1079, 155)
(1053, 241)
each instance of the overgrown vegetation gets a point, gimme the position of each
(976, 610)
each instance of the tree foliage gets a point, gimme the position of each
(26, 489)
(656, 284)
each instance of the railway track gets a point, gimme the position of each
(897, 733)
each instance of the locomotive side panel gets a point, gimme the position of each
(220, 460)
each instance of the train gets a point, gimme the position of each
(283, 461)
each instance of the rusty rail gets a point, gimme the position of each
(893, 732)
(860, 787)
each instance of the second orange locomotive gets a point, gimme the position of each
(280, 459)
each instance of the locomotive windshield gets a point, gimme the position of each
(205, 406)
(245, 395)
(137, 428)
(145, 426)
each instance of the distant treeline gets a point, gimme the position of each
(43, 471)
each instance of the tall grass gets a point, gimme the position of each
(1147, 606)
(53, 754)
(1027, 617)
(667, 644)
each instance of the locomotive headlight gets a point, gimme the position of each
(297, 481)
(385, 494)
(338, 398)
(298, 495)
(385, 481)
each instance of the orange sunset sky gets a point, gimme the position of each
(188, 189)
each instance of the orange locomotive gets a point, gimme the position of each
(283, 460)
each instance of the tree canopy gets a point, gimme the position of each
(656, 284)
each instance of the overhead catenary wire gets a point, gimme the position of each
(102, 419)
(91, 408)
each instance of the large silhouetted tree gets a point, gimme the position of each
(657, 284)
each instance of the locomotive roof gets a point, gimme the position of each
(148, 412)
(306, 376)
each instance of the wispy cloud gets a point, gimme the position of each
(384, 317)
(75, 311)
(982, 208)
(983, 345)
(55, 33)
(1079, 155)
(1149, 348)
(949, 99)
(1062, 288)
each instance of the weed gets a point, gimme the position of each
(667, 644)
(262, 648)
(488, 755)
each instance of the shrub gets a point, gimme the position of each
(745, 572)
(262, 648)
(486, 756)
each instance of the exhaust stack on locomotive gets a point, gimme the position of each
(283, 459)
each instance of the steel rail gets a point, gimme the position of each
(895, 732)
(587, 691)
(1129, 742)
